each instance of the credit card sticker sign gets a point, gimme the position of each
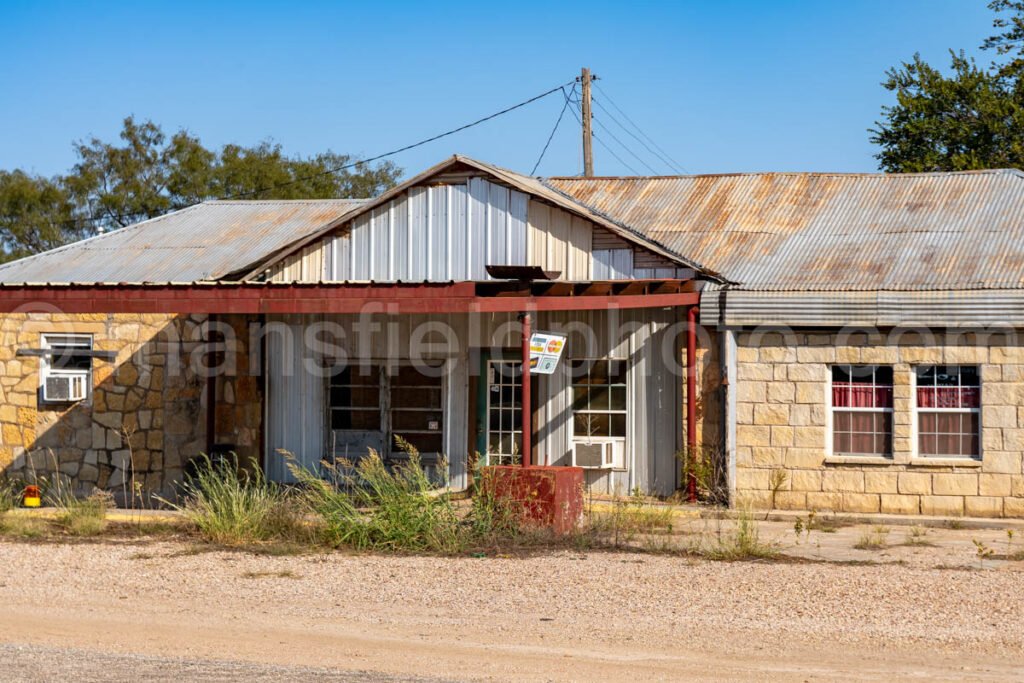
(545, 352)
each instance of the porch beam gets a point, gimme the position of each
(459, 297)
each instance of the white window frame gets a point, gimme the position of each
(619, 442)
(386, 370)
(916, 411)
(830, 451)
(48, 340)
(490, 457)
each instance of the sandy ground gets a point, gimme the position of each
(143, 609)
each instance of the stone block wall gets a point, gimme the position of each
(146, 411)
(782, 425)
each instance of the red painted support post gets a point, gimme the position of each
(691, 401)
(211, 386)
(526, 408)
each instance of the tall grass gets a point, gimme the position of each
(626, 518)
(236, 507)
(10, 493)
(77, 516)
(370, 506)
(742, 542)
(492, 518)
(85, 516)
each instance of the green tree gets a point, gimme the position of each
(146, 174)
(36, 214)
(1010, 41)
(971, 118)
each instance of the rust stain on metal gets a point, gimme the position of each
(203, 242)
(819, 231)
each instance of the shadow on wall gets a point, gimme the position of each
(144, 418)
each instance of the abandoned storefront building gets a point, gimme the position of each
(833, 342)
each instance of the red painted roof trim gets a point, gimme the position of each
(265, 298)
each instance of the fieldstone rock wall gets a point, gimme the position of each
(146, 414)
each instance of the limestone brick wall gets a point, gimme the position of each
(146, 411)
(782, 424)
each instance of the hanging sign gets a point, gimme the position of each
(545, 350)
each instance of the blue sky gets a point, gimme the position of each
(721, 86)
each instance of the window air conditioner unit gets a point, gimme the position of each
(597, 455)
(66, 387)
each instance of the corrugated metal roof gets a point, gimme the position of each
(202, 242)
(829, 232)
(523, 183)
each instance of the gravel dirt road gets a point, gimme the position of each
(130, 610)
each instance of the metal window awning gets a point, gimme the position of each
(495, 296)
(85, 353)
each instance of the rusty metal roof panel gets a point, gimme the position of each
(829, 232)
(203, 242)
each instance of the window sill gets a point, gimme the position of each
(857, 460)
(945, 462)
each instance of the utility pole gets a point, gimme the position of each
(588, 152)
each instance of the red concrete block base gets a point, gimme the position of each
(548, 496)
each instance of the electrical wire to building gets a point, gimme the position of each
(92, 220)
(577, 112)
(660, 153)
(568, 99)
(560, 88)
(625, 146)
(572, 104)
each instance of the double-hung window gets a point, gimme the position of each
(599, 413)
(65, 370)
(948, 403)
(862, 410)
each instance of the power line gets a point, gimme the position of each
(656, 155)
(639, 130)
(624, 146)
(94, 220)
(610, 151)
(407, 147)
(600, 141)
(579, 122)
(555, 129)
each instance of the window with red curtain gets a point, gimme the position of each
(862, 410)
(948, 405)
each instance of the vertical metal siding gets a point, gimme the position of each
(559, 241)
(380, 247)
(579, 248)
(329, 264)
(612, 264)
(517, 227)
(295, 404)
(400, 245)
(654, 273)
(418, 206)
(458, 233)
(643, 338)
(297, 400)
(438, 233)
(497, 240)
(477, 228)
